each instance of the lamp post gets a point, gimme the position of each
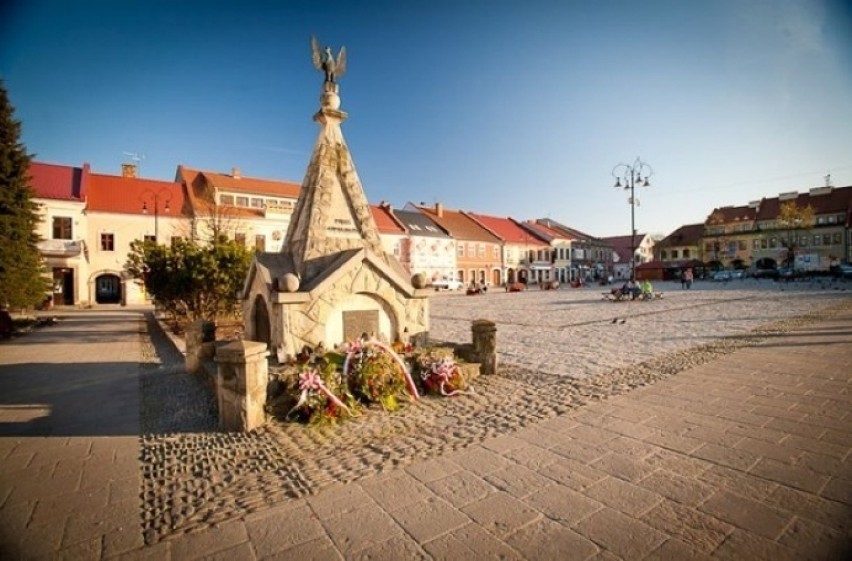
(633, 175)
(155, 196)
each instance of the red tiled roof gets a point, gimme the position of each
(507, 229)
(731, 214)
(564, 231)
(824, 201)
(689, 234)
(623, 242)
(200, 184)
(53, 181)
(460, 226)
(545, 232)
(385, 221)
(134, 195)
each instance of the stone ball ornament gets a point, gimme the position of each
(289, 283)
(418, 280)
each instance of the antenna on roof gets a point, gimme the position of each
(135, 157)
(828, 180)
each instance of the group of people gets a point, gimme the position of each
(634, 290)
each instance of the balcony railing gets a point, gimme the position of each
(61, 248)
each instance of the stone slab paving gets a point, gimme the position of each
(69, 438)
(734, 447)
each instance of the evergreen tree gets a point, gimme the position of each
(22, 283)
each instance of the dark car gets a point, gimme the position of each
(845, 271)
(765, 273)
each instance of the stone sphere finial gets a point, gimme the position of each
(289, 283)
(418, 280)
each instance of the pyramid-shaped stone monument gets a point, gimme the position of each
(332, 280)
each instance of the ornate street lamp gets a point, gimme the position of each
(628, 176)
(155, 197)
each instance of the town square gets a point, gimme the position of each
(429, 347)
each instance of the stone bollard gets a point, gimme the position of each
(485, 344)
(241, 385)
(194, 346)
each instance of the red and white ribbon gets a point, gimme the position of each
(310, 381)
(360, 346)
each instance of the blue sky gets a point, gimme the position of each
(511, 108)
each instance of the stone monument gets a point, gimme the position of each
(332, 281)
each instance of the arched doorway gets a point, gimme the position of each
(260, 318)
(108, 289)
(495, 278)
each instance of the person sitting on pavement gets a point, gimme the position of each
(632, 289)
(647, 290)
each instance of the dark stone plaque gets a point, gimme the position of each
(358, 322)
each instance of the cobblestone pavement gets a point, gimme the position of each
(246, 475)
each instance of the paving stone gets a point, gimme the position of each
(532, 457)
(544, 539)
(747, 514)
(240, 552)
(580, 451)
(503, 444)
(433, 469)
(396, 491)
(470, 543)
(321, 549)
(838, 489)
(572, 474)
(794, 476)
(816, 446)
(622, 535)
(517, 480)
(339, 499)
(275, 530)
(623, 496)
(541, 437)
(212, 540)
(106, 520)
(815, 540)
(354, 531)
(478, 460)
(630, 447)
(676, 550)
(818, 509)
(743, 484)
(501, 514)
(687, 491)
(461, 488)
(394, 549)
(728, 457)
(623, 467)
(562, 504)
(742, 545)
(429, 519)
(678, 463)
(765, 449)
(698, 530)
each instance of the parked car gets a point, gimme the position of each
(446, 284)
(722, 276)
(785, 272)
(738, 274)
(845, 271)
(771, 273)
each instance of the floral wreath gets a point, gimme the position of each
(443, 374)
(359, 346)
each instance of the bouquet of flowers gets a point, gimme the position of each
(320, 394)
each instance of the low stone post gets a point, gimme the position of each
(194, 346)
(242, 372)
(485, 344)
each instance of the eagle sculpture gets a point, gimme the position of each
(324, 60)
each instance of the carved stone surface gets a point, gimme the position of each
(484, 333)
(241, 385)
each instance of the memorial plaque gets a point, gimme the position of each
(358, 322)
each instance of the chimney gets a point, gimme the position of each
(128, 170)
(235, 173)
(439, 210)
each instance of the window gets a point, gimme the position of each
(755, 244)
(826, 239)
(175, 240)
(226, 200)
(686, 254)
(240, 238)
(803, 241)
(495, 251)
(62, 228)
(107, 242)
(480, 250)
(837, 238)
(674, 254)
(708, 247)
(741, 244)
(763, 244)
(773, 243)
(820, 219)
(256, 202)
(242, 201)
(148, 238)
(663, 254)
(260, 242)
(460, 250)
